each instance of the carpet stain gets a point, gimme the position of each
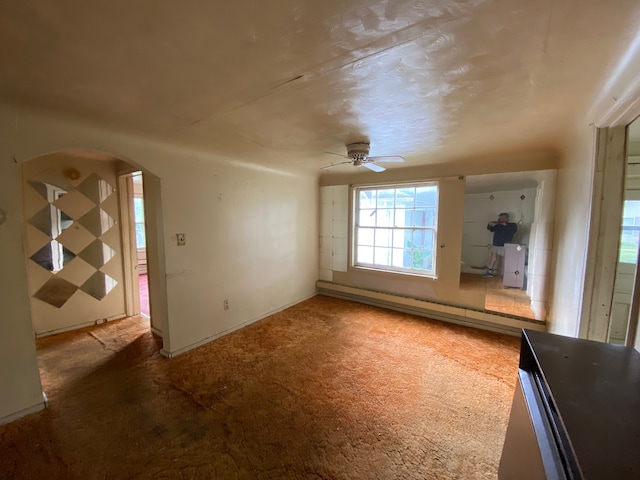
(327, 389)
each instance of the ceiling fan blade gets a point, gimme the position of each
(334, 165)
(373, 166)
(392, 159)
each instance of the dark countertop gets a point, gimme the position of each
(594, 388)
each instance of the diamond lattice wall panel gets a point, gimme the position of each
(95, 188)
(74, 204)
(56, 291)
(34, 239)
(77, 272)
(76, 238)
(97, 221)
(97, 253)
(51, 221)
(99, 285)
(53, 256)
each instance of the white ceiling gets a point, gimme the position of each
(285, 80)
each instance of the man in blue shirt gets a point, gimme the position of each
(503, 232)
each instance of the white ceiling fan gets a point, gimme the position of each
(358, 155)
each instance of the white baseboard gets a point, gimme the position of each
(25, 411)
(233, 329)
(436, 311)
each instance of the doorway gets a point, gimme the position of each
(141, 243)
(624, 307)
(134, 240)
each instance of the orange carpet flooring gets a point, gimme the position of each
(327, 389)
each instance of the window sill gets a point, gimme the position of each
(393, 272)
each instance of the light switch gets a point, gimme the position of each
(180, 239)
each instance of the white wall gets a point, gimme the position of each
(252, 238)
(19, 378)
(480, 209)
(573, 208)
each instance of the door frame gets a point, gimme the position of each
(617, 105)
(129, 249)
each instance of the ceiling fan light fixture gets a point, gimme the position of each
(358, 152)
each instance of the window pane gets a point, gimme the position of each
(365, 255)
(397, 257)
(367, 198)
(400, 217)
(405, 197)
(385, 198)
(423, 239)
(629, 245)
(367, 218)
(138, 210)
(430, 217)
(630, 232)
(384, 237)
(384, 217)
(420, 218)
(382, 256)
(408, 218)
(421, 259)
(140, 238)
(365, 236)
(428, 260)
(426, 196)
(400, 238)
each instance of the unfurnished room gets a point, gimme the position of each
(320, 240)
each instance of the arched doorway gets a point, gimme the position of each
(74, 241)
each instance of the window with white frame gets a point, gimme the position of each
(138, 214)
(395, 228)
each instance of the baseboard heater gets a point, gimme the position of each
(447, 313)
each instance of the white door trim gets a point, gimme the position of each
(129, 250)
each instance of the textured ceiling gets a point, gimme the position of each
(284, 81)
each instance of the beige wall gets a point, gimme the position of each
(19, 377)
(81, 308)
(573, 209)
(251, 238)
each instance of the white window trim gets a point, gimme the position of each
(354, 238)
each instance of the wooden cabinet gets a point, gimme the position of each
(575, 413)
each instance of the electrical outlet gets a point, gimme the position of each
(226, 304)
(180, 239)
